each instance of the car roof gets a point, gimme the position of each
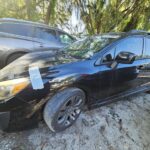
(36, 24)
(124, 34)
(136, 32)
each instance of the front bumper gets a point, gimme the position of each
(11, 104)
(4, 120)
(14, 111)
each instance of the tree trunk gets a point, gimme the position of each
(131, 24)
(50, 12)
(28, 6)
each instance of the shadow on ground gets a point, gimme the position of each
(124, 125)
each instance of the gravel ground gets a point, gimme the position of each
(124, 125)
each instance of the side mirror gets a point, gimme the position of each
(125, 58)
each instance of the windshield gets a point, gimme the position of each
(88, 46)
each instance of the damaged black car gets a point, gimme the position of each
(57, 86)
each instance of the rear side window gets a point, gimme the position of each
(17, 29)
(131, 44)
(65, 38)
(147, 48)
(45, 34)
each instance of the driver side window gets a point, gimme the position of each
(131, 44)
(109, 56)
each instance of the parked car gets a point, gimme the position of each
(91, 72)
(18, 37)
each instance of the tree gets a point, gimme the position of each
(50, 12)
(117, 15)
(98, 16)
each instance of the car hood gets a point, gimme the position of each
(43, 60)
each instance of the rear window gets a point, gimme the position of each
(17, 29)
(65, 38)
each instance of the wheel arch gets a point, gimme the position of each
(41, 104)
(14, 53)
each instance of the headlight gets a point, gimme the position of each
(12, 87)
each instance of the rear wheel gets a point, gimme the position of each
(63, 109)
(13, 57)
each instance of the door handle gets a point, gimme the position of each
(141, 67)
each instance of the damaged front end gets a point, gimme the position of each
(18, 99)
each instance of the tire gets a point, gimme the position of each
(13, 57)
(63, 109)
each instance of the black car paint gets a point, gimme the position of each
(101, 83)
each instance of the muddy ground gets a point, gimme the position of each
(124, 125)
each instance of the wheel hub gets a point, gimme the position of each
(70, 111)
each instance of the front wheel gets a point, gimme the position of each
(63, 109)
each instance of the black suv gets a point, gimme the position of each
(18, 37)
(91, 72)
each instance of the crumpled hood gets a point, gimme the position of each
(43, 60)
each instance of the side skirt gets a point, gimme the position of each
(118, 97)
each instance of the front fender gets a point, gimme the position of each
(63, 81)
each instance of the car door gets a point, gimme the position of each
(129, 78)
(104, 75)
(146, 56)
(16, 36)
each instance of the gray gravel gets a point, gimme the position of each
(124, 125)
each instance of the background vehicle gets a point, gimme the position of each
(18, 37)
(93, 72)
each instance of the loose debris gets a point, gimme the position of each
(124, 125)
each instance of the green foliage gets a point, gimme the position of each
(117, 15)
(97, 15)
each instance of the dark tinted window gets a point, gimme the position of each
(45, 34)
(132, 44)
(65, 38)
(18, 29)
(147, 48)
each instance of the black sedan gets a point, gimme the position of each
(56, 87)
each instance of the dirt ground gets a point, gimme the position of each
(124, 125)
